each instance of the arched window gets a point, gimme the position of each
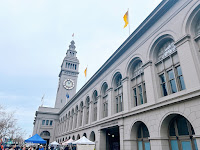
(72, 119)
(81, 114)
(138, 88)
(87, 109)
(78, 137)
(92, 136)
(168, 68)
(94, 97)
(45, 133)
(197, 32)
(104, 99)
(85, 135)
(73, 137)
(143, 137)
(181, 134)
(118, 93)
(76, 118)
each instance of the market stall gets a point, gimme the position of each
(36, 139)
(84, 144)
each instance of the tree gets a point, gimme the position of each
(8, 126)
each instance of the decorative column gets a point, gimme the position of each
(125, 94)
(149, 82)
(91, 112)
(121, 139)
(84, 115)
(99, 108)
(109, 97)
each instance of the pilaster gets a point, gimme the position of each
(99, 107)
(109, 91)
(90, 112)
(149, 82)
(125, 94)
(84, 115)
(121, 133)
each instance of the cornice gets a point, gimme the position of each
(156, 14)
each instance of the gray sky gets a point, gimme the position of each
(35, 35)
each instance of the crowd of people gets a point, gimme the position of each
(38, 147)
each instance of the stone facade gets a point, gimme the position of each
(150, 86)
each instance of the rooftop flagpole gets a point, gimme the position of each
(129, 23)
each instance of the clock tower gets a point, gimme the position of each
(67, 77)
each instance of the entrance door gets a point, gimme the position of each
(113, 142)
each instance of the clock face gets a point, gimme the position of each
(68, 84)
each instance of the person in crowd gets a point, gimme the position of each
(41, 147)
(51, 147)
(57, 147)
(66, 148)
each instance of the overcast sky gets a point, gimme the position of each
(34, 38)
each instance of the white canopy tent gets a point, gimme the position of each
(54, 143)
(84, 144)
(68, 142)
(83, 141)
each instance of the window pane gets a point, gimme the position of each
(51, 122)
(145, 131)
(140, 145)
(43, 122)
(182, 83)
(147, 146)
(164, 90)
(140, 93)
(195, 145)
(182, 126)
(172, 81)
(116, 104)
(172, 130)
(162, 78)
(47, 122)
(135, 96)
(174, 145)
(186, 145)
(163, 85)
(173, 86)
(139, 133)
(179, 71)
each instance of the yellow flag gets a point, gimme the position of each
(126, 19)
(85, 72)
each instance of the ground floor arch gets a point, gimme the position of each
(92, 136)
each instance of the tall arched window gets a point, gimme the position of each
(143, 137)
(168, 68)
(94, 97)
(87, 110)
(104, 99)
(181, 134)
(137, 83)
(118, 93)
(81, 114)
(76, 117)
(197, 32)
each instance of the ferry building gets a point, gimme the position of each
(146, 96)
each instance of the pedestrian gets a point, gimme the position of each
(41, 147)
(66, 148)
(57, 147)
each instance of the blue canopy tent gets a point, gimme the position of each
(35, 139)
